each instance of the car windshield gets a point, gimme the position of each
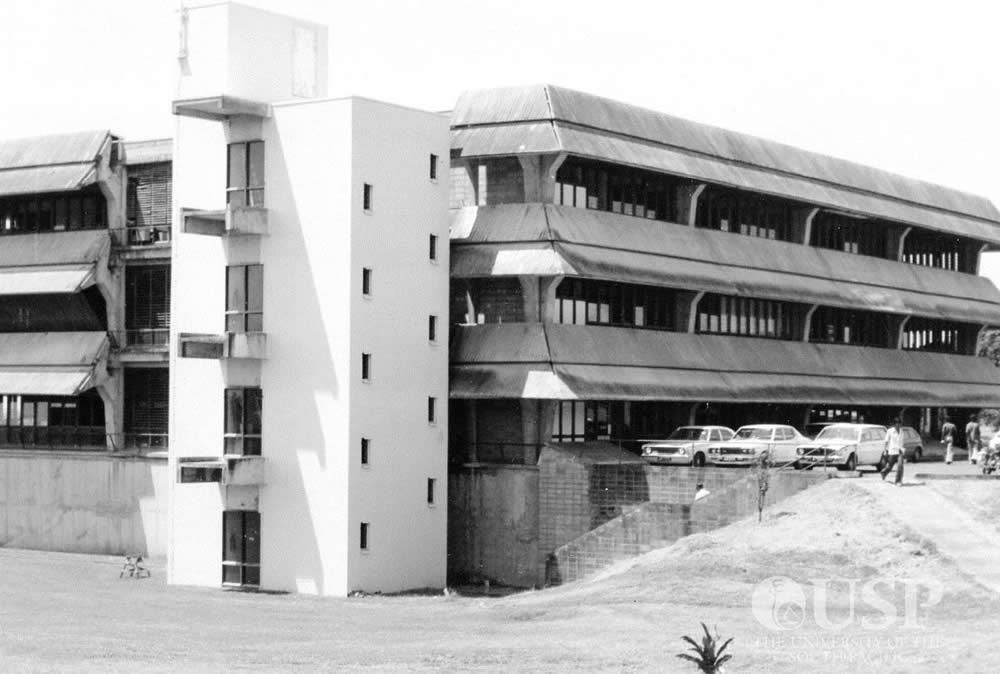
(838, 433)
(754, 434)
(686, 434)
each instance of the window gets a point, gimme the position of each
(245, 298)
(846, 326)
(431, 484)
(432, 328)
(366, 448)
(434, 167)
(147, 305)
(245, 175)
(582, 302)
(366, 197)
(366, 281)
(240, 547)
(191, 474)
(52, 421)
(366, 367)
(364, 535)
(146, 407)
(85, 209)
(605, 187)
(431, 405)
(432, 252)
(725, 315)
(244, 407)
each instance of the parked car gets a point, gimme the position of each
(813, 429)
(913, 444)
(846, 446)
(686, 446)
(750, 442)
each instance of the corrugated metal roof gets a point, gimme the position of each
(46, 280)
(56, 163)
(54, 248)
(51, 349)
(63, 148)
(546, 102)
(604, 363)
(598, 244)
(149, 151)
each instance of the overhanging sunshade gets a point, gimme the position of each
(52, 363)
(56, 262)
(53, 163)
(547, 119)
(547, 239)
(603, 363)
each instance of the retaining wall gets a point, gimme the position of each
(91, 503)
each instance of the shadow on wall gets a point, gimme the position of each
(94, 504)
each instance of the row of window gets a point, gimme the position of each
(724, 315)
(53, 213)
(584, 302)
(52, 421)
(747, 214)
(617, 189)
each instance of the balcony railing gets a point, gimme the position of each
(85, 439)
(141, 235)
(141, 338)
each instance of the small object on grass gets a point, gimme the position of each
(710, 659)
(133, 566)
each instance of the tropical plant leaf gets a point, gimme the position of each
(689, 658)
(694, 644)
(728, 641)
(724, 659)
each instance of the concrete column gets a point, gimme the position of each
(465, 287)
(807, 322)
(536, 426)
(687, 203)
(548, 311)
(898, 330)
(530, 298)
(112, 392)
(802, 220)
(686, 310)
(549, 166)
(533, 175)
(113, 183)
(472, 172)
(693, 414)
(976, 251)
(897, 243)
(471, 431)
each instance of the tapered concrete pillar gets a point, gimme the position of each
(896, 242)
(897, 330)
(539, 171)
(807, 322)
(686, 310)
(112, 395)
(536, 426)
(687, 197)
(802, 222)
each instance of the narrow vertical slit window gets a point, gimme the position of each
(433, 247)
(434, 167)
(366, 197)
(364, 535)
(432, 328)
(366, 450)
(431, 484)
(431, 411)
(366, 281)
(366, 367)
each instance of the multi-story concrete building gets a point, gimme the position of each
(309, 320)
(84, 315)
(617, 272)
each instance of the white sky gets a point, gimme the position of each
(912, 87)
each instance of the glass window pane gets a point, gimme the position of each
(255, 287)
(251, 537)
(232, 574)
(234, 410)
(256, 164)
(252, 412)
(235, 322)
(237, 165)
(255, 323)
(28, 414)
(236, 298)
(232, 536)
(233, 445)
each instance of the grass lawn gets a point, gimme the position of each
(61, 612)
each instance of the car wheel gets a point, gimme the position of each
(699, 460)
(880, 466)
(852, 463)
(918, 453)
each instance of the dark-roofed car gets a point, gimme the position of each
(686, 446)
(778, 441)
(845, 446)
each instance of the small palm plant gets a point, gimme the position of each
(709, 659)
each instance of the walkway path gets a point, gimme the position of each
(972, 545)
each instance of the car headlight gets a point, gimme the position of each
(646, 449)
(800, 451)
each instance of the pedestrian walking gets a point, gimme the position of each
(948, 438)
(895, 451)
(972, 438)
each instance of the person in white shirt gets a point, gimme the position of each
(701, 492)
(896, 451)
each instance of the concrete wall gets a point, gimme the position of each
(90, 503)
(646, 526)
(493, 525)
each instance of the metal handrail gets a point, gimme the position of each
(141, 235)
(142, 337)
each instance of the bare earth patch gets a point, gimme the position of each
(63, 612)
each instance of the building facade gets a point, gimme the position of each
(309, 321)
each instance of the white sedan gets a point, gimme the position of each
(777, 441)
(686, 446)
